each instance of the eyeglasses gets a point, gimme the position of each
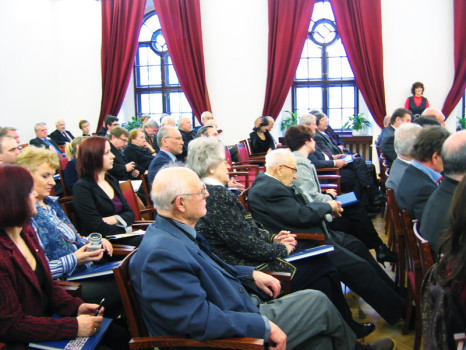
(294, 170)
(176, 138)
(124, 140)
(204, 194)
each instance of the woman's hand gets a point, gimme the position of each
(331, 192)
(83, 256)
(88, 325)
(89, 309)
(107, 246)
(110, 220)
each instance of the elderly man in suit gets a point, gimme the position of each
(42, 140)
(405, 135)
(170, 143)
(61, 136)
(274, 204)
(387, 137)
(184, 289)
(435, 216)
(423, 175)
(122, 169)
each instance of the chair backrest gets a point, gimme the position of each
(412, 253)
(228, 156)
(423, 247)
(130, 196)
(146, 187)
(62, 181)
(242, 150)
(67, 206)
(243, 198)
(129, 299)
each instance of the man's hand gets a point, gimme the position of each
(338, 156)
(336, 208)
(135, 173)
(277, 340)
(268, 284)
(331, 192)
(340, 163)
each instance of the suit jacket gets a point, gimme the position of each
(187, 136)
(159, 161)
(387, 146)
(318, 159)
(182, 291)
(435, 215)
(396, 173)
(139, 155)
(102, 131)
(413, 191)
(326, 144)
(23, 319)
(119, 165)
(92, 204)
(58, 137)
(38, 142)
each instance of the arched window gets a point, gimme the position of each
(156, 85)
(324, 79)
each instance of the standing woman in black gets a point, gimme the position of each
(417, 103)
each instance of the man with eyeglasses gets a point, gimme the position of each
(122, 169)
(171, 143)
(110, 122)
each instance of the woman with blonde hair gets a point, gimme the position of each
(139, 151)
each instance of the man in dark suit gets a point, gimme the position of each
(42, 140)
(185, 127)
(387, 137)
(423, 175)
(174, 273)
(61, 136)
(435, 215)
(150, 128)
(171, 144)
(122, 169)
(110, 122)
(274, 204)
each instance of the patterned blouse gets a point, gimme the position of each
(236, 238)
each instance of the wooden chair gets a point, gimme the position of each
(140, 336)
(146, 188)
(423, 247)
(245, 173)
(72, 288)
(329, 178)
(245, 158)
(63, 184)
(251, 153)
(140, 212)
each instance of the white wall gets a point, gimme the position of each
(50, 63)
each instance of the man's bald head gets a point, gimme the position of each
(454, 155)
(434, 113)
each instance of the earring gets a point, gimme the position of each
(211, 172)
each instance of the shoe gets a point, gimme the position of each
(362, 330)
(381, 344)
(383, 254)
(379, 199)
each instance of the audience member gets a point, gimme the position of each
(9, 149)
(269, 128)
(405, 135)
(167, 120)
(144, 119)
(261, 140)
(435, 216)
(434, 113)
(208, 131)
(386, 123)
(110, 122)
(236, 239)
(354, 219)
(417, 103)
(426, 120)
(423, 175)
(400, 116)
(70, 173)
(13, 132)
(171, 144)
(333, 139)
(139, 151)
(172, 275)
(206, 116)
(42, 140)
(85, 127)
(185, 128)
(97, 198)
(61, 136)
(122, 168)
(274, 204)
(150, 128)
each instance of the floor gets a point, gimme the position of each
(403, 342)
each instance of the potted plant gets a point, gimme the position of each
(134, 123)
(461, 123)
(358, 123)
(288, 121)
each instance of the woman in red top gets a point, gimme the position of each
(417, 103)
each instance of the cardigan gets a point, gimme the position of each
(139, 155)
(22, 318)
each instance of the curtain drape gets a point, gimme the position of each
(121, 23)
(359, 23)
(288, 28)
(459, 81)
(181, 26)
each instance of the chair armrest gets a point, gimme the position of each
(328, 170)
(172, 341)
(320, 237)
(141, 224)
(329, 176)
(284, 277)
(72, 288)
(122, 249)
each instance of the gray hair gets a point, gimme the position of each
(163, 131)
(454, 154)
(165, 120)
(203, 130)
(205, 114)
(204, 154)
(306, 119)
(169, 186)
(150, 122)
(58, 122)
(277, 157)
(39, 124)
(405, 135)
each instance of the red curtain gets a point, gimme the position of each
(459, 81)
(359, 23)
(121, 23)
(181, 26)
(288, 28)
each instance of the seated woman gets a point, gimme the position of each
(354, 219)
(443, 298)
(261, 140)
(71, 174)
(97, 198)
(238, 240)
(65, 249)
(139, 151)
(29, 295)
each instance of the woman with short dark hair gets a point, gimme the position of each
(261, 140)
(417, 103)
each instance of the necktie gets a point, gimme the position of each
(66, 136)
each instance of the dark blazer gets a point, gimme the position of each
(58, 137)
(318, 159)
(159, 161)
(413, 191)
(172, 277)
(387, 146)
(330, 131)
(92, 204)
(260, 146)
(187, 136)
(139, 155)
(435, 215)
(102, 131)
(119, 165)
(22, 318)
(397, 171)
(70, 175)
(152, 140)
(326, 144)
(38, 142)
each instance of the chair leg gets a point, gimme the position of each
(418, 325)
(409, 311)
